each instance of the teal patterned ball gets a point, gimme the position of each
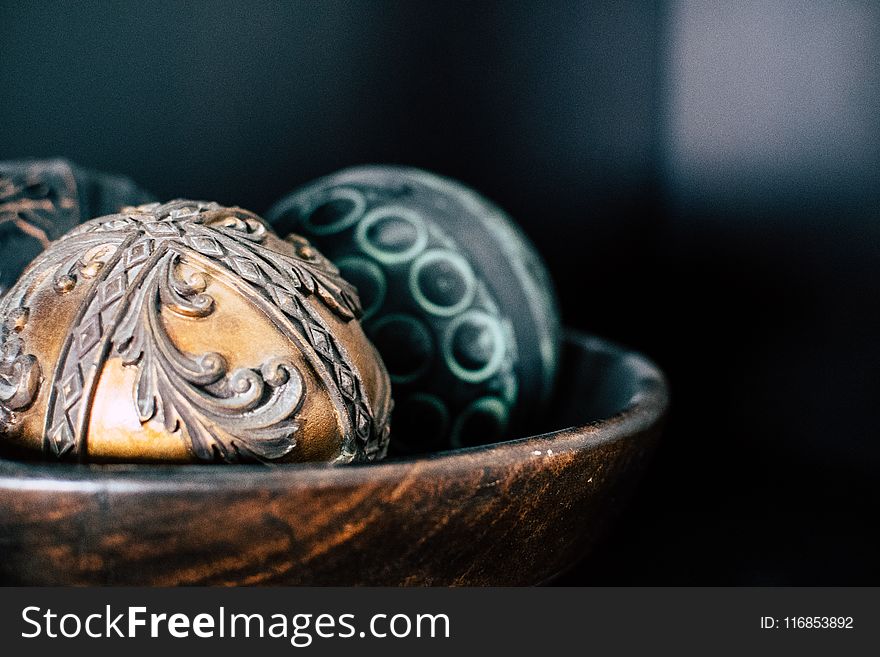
(455, 298)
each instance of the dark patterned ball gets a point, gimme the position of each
(455, 298)
(40, 200)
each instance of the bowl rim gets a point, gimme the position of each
(645, 408)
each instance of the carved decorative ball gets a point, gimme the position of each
(188, 332)
(456, 299)
(40, 200)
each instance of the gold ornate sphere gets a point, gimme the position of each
(187, 332)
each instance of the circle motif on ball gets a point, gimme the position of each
(442, 282)
(456, 300)
(342, 208)
(392, 235)
(473, 346)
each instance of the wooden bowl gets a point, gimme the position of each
(511, 513)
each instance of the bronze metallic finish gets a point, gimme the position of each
(187, 332)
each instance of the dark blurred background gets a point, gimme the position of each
(703, 179)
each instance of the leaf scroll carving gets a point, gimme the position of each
(159, 258)
(228, 416)
(20, 373)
